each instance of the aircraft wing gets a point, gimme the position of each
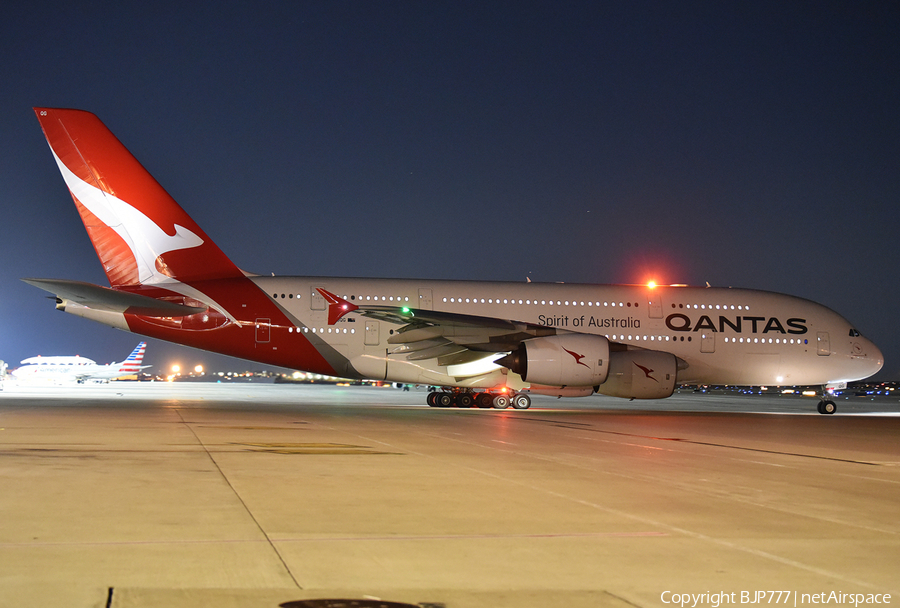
(452, 338)
(112, 300)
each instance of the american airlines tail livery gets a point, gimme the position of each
(485, 344)
(61, 369)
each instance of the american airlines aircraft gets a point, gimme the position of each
(487, 344)
(60, 369)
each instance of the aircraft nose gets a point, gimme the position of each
(874, 357)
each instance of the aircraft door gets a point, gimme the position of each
(708, 341)
(823, 344)
(425, 299)
(373, 337)
(654, 304)
(262, 330)
(316, 301)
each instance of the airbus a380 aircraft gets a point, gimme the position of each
(486, 343)
(59, 369)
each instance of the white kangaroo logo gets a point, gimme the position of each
(146, 240)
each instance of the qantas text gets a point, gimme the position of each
(755, 325)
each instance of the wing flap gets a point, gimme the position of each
(411, 334)
(437, 351)
(461, 358)
(413, 347)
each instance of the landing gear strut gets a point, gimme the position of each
(465, 399)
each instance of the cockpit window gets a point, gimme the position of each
(854, 333)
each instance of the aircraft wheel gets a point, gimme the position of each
(521, 401)
(484, 400)
(430, 399)
(501, 402)
(828, 407)
(464, 400)
(443, 400)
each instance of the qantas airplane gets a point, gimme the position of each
(485, 344)
(78, 369)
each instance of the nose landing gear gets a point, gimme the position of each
(826, 406)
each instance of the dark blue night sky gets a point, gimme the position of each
(746, 144)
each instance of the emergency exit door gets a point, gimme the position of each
(373, 337)
(262, 330)
(708, 341)
(823, 344)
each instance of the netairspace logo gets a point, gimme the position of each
(715, 600)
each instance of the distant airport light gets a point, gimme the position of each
(198, 369)
(176, 369)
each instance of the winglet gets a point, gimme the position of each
(337, 306)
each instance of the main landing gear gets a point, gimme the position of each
(465, 399)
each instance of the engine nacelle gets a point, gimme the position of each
(561, 391)
(640, 374)
(561, 360)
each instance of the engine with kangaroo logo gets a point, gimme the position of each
(640, 374)
(561, 360)
(573, 360)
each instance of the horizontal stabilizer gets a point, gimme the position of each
(111, 300)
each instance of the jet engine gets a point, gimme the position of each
(561, 360)
(640, 374)
(581, 360)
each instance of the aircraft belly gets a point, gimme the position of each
(400, 369)
(762, 368)
(369, 366)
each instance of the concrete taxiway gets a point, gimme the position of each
(249, 495)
